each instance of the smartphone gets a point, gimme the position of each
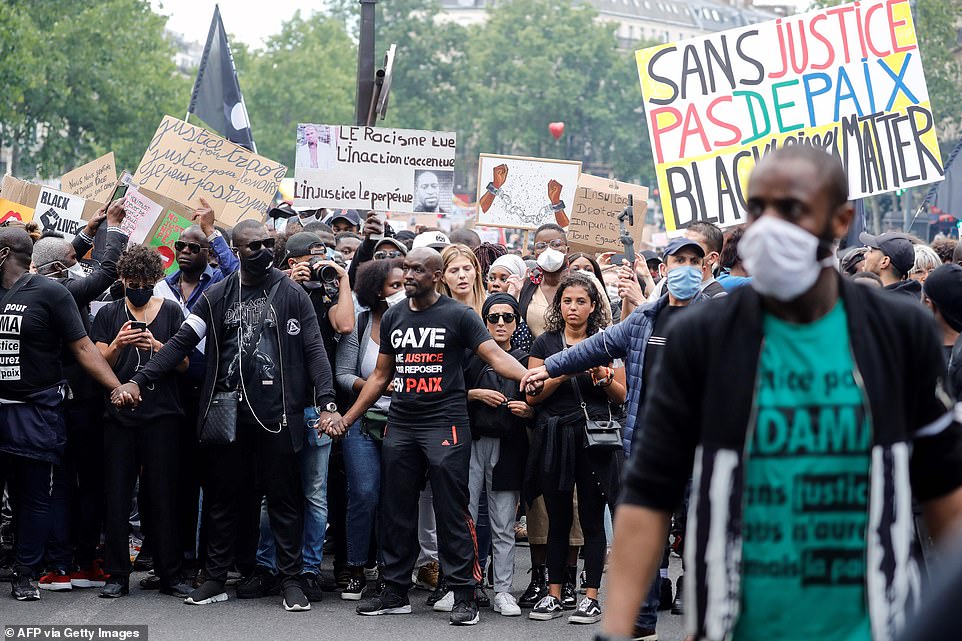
(119, 192)
(140, 326)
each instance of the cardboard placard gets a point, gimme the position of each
(28, 193)
(845, 79)
(402, 170)
(141, 215)
(185, 163)
(93, 181)
(524, 200)
(594, 216)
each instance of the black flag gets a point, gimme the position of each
(217, 98)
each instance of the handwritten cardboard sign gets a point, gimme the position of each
(184, 163)
(847, 80)
(403, 170)
(93, 181)
(594, 215)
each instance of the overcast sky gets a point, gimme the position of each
(251, 22)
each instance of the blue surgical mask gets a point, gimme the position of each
(683, 282)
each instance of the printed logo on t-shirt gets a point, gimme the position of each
(415, 370)
(10, 324)
(293, 327)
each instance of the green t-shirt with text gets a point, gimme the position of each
(806, 489)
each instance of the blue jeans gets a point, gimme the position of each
(313, 457)
(648, 615)
(362, 462)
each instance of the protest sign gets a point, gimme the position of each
(93, 181)
(165, 233)
(594, 215)
(140, 215)
(402, 170)
(515, 191)
(184, 162)
(847, 80)
(10, 210)
(60, 212)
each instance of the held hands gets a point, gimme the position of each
(204, 216)
(500, 175)
(535, 376)
(332, 424)
(127, 395)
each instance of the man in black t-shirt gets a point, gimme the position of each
(38, 321)
(424, 343)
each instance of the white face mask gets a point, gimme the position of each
(781, 258)
(551, 260)
(77, 271)
(612, 291)
(395, 298)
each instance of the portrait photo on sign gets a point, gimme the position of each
(316, 146)
(433, 191)
(520, 192)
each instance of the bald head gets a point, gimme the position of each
(19, 244)
(827, 168)
(430, 258)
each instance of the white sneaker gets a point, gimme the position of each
(445, 603)
(505, 605)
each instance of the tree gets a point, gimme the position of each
(86, 78)
(304, 74)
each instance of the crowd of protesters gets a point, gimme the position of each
(415, 404)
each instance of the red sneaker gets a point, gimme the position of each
(91, 577)
(54, 580)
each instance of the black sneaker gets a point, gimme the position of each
(312, 587)
(327, 581)
(465, 612)
(177, 587)
(644, 634)
(537, 589)
(24, 588)
(388, 602)
(210, 591)
(355, 588)
(438, 593)
(342, 575)
(588, 611)
(116, 587)
(547, 608)
(260, 584)
(678, 606)
(664, 599)
(150, 582)
(294, 598)
(482, 597)
(143, 562)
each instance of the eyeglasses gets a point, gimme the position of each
(195, 248)
(557, 243)
(255, 245)
(384, 255)
(507, 317)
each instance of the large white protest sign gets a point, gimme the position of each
(60, 212)
(845, 79)
(402, 170)
(525, 193)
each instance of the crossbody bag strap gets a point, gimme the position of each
(581, 401)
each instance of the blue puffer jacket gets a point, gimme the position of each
(627, 340)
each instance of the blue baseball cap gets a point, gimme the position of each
(680, 242)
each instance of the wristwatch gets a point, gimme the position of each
(491, 189)
(330, 408)
(560, 205)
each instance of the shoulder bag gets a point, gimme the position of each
(602, 436)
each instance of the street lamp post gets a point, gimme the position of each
(365, 63)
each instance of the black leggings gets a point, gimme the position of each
(591, 513)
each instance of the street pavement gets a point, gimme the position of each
(168, 618)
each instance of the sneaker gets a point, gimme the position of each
(388, 602)
(233, 578)
(427, 578)
(261, 583)
(547, 608)
(90, 577)
(177, 587)
(445, 603)
(210, 592)
(56, 580)
(143, 562)
(678, 605)
(312, 587)
(150, 582)
(644, 634)
(327, 581)
(342, 575)
(588, 611)
(537, 589)
(505, 605)
(24, 588)
(664, 598)
(582, 579)
(116, 587)
(465, 612)
(295, 600)
(439, 592)
(371, 574)
(482, 597)
(569, 595)
(355, 589)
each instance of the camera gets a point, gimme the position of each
(324, 274)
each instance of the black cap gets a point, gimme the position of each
(943, 286)
(650, 256)
(678, 243)
(350, 215)
(896, 245)
(300, 244)
(281, 211)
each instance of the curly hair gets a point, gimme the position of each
(487, 253)
(450, 254)
(554, 319)
(141, 263)
(371, 277)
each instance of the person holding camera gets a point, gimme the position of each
(128, 332)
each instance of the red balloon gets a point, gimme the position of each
(556, 129)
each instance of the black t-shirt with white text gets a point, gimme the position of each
(429, 349)
(38, 321)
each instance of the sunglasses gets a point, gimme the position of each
(255, 245)
(507, 317)
(384, 255)
(557, 243)
(194, 248)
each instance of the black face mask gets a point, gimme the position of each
(258, 263)
(139, 297)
